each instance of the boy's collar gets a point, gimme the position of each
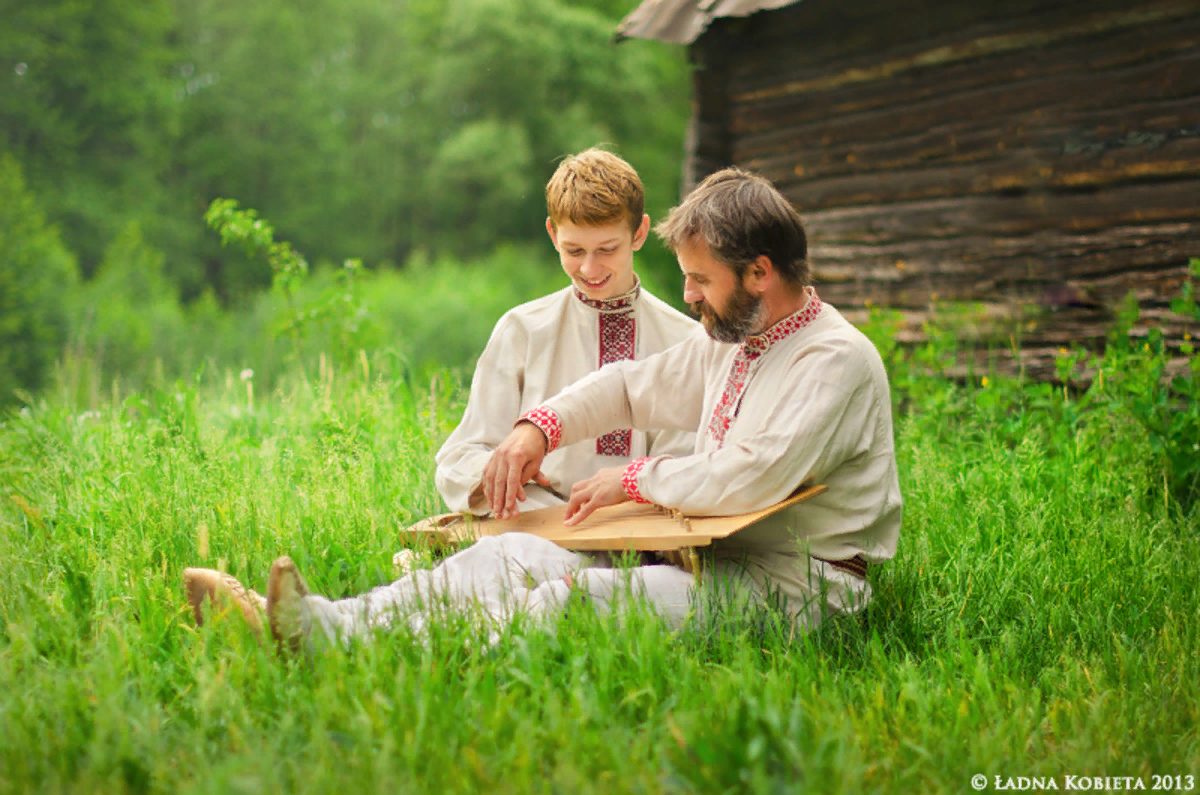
(618, 303)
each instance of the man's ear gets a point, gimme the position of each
(643, 231)
(758, 274)
(550, 230)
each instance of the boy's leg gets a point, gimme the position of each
(222, 590)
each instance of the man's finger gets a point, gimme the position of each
(573, 505)
(540, 478)
(585, 510)
(486, 481)
(509, 502)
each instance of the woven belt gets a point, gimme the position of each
(856, 565)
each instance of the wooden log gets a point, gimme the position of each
(1020, 172)
(976, 48)
(1067, 139)
(1114, 51)
(1125, 205)
(1046, 255)
(769, 129)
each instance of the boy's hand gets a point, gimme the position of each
(516, 461)
(601, 489)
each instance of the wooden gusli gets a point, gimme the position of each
(626, 526)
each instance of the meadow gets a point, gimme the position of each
(1041, 618)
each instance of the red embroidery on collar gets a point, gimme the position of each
(548, 422)
(750, 351)
(620, 303)
(629, 479)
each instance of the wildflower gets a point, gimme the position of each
(985, 381)
(247, 374)
(1062, 351)
(1186, 336)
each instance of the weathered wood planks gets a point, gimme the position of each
(1026, 156)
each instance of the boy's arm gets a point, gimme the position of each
(492, 406)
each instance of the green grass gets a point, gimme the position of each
(1041, 619)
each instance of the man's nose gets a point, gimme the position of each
(690, 294)
(590, 266)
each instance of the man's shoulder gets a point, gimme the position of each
(852, 349)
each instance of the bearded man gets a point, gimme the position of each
(781, 391)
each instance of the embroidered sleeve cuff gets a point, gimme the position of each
(549, 424)
(629, 480)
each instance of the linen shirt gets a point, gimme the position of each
(537, 349)
(804, 402)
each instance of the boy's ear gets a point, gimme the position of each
(643, 231)
(550, 230)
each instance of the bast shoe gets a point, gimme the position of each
(222, 591)
(287, 612)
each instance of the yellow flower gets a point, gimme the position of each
(1062, 351)
(1186, 336)
(1146, 347)
(985, 381)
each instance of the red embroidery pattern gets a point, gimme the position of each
(618, 339)
(622, 303)
(550, 424)
(742, 370)
(617, 335)
(629, 480)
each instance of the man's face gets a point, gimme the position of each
(599, 259)
(729, 312)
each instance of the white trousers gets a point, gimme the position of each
(497, 577)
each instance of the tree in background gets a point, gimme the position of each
(86, 108)
(375, 129)
(36, 270)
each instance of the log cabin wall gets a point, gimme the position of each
(1040, 159)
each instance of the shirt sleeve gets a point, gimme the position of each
(823, 417)
(661, 392)
(492, 407)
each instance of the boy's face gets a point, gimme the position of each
(599, 259)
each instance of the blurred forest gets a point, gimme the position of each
(395, 132)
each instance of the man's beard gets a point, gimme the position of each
(742, 317)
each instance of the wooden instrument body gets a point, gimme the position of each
(629, 525)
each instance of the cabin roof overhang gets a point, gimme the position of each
(682, 21)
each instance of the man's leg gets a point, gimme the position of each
(496, 574)
(668, 590)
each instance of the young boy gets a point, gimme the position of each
(597, 220)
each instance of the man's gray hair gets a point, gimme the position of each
(741, 216)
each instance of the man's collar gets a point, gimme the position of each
(758, 344)
(619, 303)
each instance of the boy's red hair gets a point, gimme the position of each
(594, 188)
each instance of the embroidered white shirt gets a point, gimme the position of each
(536, 350)
(807, 401)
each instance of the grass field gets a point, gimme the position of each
(1042, 618)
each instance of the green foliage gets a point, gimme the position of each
(36, 271)
(1138, 381)
(86, 107)
(1040, 609)
(341, 307)
(1135, 378)
(366, 126)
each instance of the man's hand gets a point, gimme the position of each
(602, 488)
(516, 461)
